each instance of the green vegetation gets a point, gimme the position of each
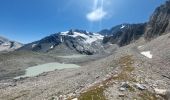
(93, 94)
(126, 66)
(97, 93)
(126, 63)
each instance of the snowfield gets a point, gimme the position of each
(147, 54)
(90, 38)
(140, 47)
(123, 26)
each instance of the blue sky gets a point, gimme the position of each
(29, 20)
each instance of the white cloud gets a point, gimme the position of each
(96, 15)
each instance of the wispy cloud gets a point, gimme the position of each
(96, 15)
(98, 12)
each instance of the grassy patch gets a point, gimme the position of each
(93, 94)
(131, 89)
(126, 66)
(97, 93)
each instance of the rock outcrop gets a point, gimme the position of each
(124, 34)
(159, 22)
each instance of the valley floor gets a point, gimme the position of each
(126, 74)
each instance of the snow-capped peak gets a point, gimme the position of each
(87, 36)
(64, 33)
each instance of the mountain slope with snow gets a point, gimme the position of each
(8, 45)
(77, 41)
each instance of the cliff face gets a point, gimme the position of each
(126, 34)
(159, 22)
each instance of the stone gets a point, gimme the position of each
(121, 95)
(124, 86)
(122, 89)
(140, 86)
(75, 99)
(160, 91)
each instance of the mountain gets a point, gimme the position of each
(68, 42)
(8, 45)
(114, 30)
(90, 43)
(159, 22)
(123, 34)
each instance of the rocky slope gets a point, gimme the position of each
(68, 42)
(125, 74)
(159, 22)
(8, 45)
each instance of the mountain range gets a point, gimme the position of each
(81, 41)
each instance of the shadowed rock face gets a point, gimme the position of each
(124, 34)
(159, 22)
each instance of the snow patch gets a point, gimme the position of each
(64, 33)
(52, 47)
(140, 47)
(6, 44)
(61, 39)
(34, 45)
(123, 26)
(147, 54)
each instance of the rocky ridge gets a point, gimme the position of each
(8, 45)
(159, 22)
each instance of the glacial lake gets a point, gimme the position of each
(39, 69)
(73, 56)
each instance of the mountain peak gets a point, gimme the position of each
(159, 22)
(8, 45)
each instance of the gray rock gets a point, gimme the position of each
(159, 22)
(122, 89)
(140, 86)
(124, 36)
(124, 86)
